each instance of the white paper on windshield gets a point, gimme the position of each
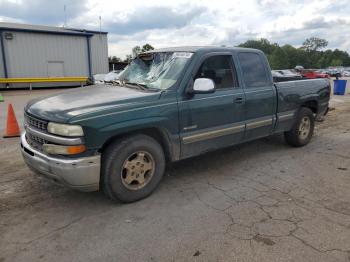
(182, 55)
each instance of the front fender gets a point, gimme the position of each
(96, 137)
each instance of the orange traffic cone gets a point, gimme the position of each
(12, 129)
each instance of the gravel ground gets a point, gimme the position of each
(260, 201)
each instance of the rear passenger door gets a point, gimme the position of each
(260, 94)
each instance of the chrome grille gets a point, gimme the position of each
(37, 139)
(33, 140)
(34, 122)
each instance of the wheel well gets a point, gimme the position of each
(160, 136)
(312, 104)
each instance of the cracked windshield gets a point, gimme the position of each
(155, 70)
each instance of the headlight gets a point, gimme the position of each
(65, 130)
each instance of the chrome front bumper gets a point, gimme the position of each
(81, 173)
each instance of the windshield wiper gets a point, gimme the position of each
(141, 86)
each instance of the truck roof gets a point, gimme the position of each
(193, 49)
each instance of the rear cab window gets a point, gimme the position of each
(253, 70)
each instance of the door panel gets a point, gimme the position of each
(211, 121)
(260, 110)
(260, 94)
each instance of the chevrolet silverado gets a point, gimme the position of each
(168, 104)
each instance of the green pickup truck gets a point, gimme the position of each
(169, 104)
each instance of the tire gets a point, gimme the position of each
(119, 161)
(299, 136)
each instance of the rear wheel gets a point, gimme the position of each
(302, 130)
(132, 168)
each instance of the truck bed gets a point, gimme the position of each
(292, 94)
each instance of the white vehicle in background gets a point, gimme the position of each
(290, 73)
(346, 73)
(285, 75)
(99, 79)
(112, 76)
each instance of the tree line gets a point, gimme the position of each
(311, 54)
(134, 52)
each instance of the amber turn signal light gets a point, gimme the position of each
(63, 150)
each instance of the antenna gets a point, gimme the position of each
(100, 24)
(65, 16)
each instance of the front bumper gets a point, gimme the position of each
(81, 173)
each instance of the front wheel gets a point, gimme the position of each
(132, 168)
(302, 130)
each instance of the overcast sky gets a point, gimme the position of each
(185, 22)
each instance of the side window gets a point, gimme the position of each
(219, 69)
(253, 68)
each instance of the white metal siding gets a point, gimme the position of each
(28, 54)
(99, 53)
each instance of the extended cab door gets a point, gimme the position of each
(260, 94)
(209, 121)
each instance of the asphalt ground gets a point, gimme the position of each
(259, 201)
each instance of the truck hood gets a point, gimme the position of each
(80, 101)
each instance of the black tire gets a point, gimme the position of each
(296, 138)
(116, 154)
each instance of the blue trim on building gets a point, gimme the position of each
(88, 31)
(45, 31)
(3, 54)
(89, 56)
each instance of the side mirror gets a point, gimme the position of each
(203, 86)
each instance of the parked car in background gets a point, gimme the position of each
(312, 74)
(346, 73)
(276, 75)
(106, 78)
(112, 76)
(170, 104)
(334, 72)
(99, 79)
(285, 75)
(291, 73)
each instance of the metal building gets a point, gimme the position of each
(41, 51)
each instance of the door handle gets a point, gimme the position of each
(238, 100)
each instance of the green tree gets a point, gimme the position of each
(343, 56)
(114, 59)
(310, 55)
(279, 59)
(136, 50)
(325, 58)
(262, 44)
(295, 56)
(336, 62)
(128, 58)
(147, 47)
(314, 44)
